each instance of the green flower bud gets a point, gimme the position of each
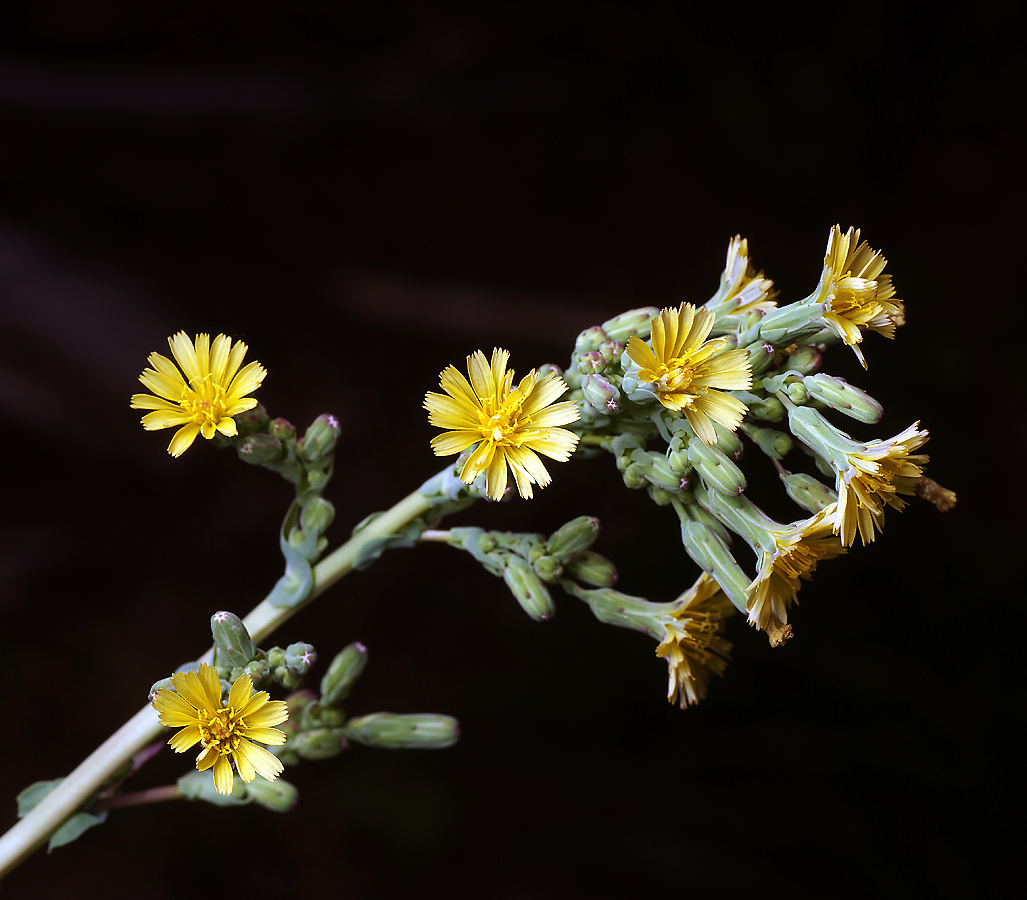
(634, 477)
(548, 568)
(591, 363)
(282, 429)
(844, 397)
(260, 449)
(712, 554)
(299, 658)
(257, 669)
(573, 538)
(826, 441)
(771, 441)
(716, 469)
(728, 441)
(321, 744)
(590, 567)
(611, 350)
(805, 360)
(589, 339)
(527, 589)
(633, 323)
(657, 470)
(251, 420)
(601, 394)
(317, 515)
(426, 731)
(797, 392)
(791, 323)
(343, 673)
(770, 409)
(761, 356)
(319, 716)
(320, 440)
(809, 492)
(277, 795)
(234, 645)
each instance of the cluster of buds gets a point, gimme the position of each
(679, 396)
(527, 563)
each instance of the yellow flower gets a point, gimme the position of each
(874, 478)
(856, 291)
(510, 426)
(742, 289)
(203, 402)
(798, 549)
(685, 371)
(225, 732)
(693, 643)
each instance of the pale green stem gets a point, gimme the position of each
(143, 728)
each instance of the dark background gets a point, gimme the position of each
(366, 193)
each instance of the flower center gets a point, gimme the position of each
(205, 403)
(673, 376)
(504, 425)
(855, 299)
(220, 729)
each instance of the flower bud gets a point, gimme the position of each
(548, 568)
(259, 449)
(796, 392)
(282, 429)
(593, 568)
(844, 397)
(611, 350)
(573, 538)
(761, 356)
(760, 406)
(716, 469)
(427, 731)
(601, 394)
(317, 515)
(251, 420)
(234, 645)
(791, 323)
(528, 589)
(343, 673)
(324, 743)
(317, 716)
(591, 363)
(590, 339)
(805, 360)
(633, 323)
(771, 441)
(810, 493)
(320, 439)
(277, 795)
(299, 658)
(712, 554)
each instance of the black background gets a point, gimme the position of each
(366, 193)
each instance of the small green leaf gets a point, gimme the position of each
(29, 798)
(74, 828)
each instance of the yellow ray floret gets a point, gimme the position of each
(689, 373)
(507, 426)
(225, 732)
(204, 399)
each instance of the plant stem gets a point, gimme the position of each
(65, 799)
(138, 798)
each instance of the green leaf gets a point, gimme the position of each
(74, 828)
(29, 798)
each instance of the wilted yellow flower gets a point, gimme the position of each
(742, 288)
(203, 401)
(694, 645)
(799, 547)
(510, 426)
(685, 369)
(875, 477)
(225, 733)
(856, 290)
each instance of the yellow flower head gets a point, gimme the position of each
(875, 477)
(742, 289)
(694, 645)
(685, 369)
(856, 291)
(799, 547)
(212, 390)
(225, 733)
(510, 426)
